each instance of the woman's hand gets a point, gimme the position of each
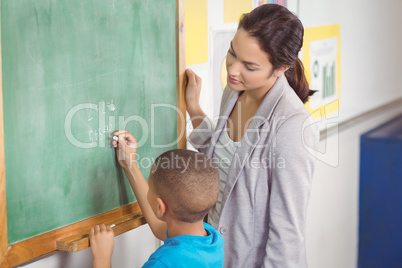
(126, 148)
(101, 239)
(193, 91)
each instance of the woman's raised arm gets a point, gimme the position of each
(193, 91)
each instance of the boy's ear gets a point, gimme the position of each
(161, 209)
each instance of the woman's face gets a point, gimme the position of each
(248, 66)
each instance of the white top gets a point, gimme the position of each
(224, 153)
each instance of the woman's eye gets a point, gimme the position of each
(231, 53)
(248, 68)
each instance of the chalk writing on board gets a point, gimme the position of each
(89, 112)
(99, 131)
(100, 134)
(101, 107)
(111, 106)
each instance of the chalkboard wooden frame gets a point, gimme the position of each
(11, 255)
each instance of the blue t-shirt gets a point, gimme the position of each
(190, 251)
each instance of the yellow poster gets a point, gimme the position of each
(321, 59)
(232, 10)
(196, 21)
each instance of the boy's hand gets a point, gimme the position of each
(126, 149)
(101, 240)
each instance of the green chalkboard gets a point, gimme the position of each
(73, 72)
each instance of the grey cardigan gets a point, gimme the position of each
(266, 195)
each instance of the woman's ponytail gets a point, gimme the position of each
(297, 80)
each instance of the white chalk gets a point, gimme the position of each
(115, 138)
(113, 225)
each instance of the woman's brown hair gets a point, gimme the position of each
(280, 34)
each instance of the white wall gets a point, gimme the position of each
(332, 217)
(371, 54)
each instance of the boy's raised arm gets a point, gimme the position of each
(126, 149)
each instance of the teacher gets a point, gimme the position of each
(264, 142)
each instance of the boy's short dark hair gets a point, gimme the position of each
(188, 182)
